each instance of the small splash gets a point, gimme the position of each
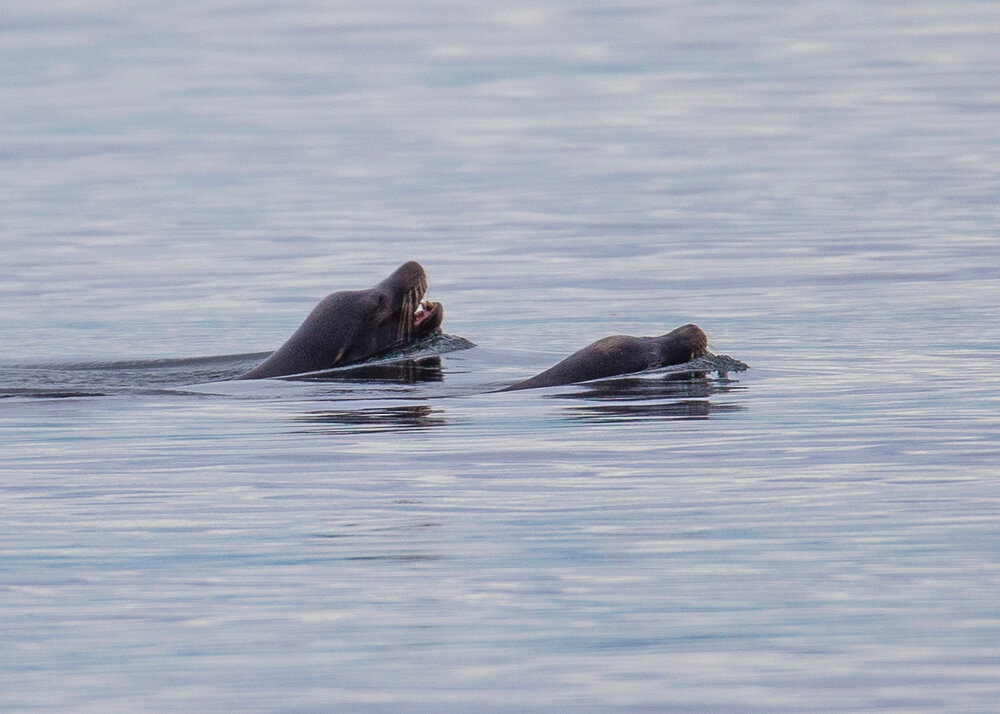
(709, 362)
(435, 344)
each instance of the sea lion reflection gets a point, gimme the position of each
(411, 371)
(676, 396)
(368, 421)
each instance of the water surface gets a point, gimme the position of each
(815, 186)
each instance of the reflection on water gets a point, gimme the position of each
(381, 419)
(409, 371)
(674, 396)
(374, 543)
(401, 558)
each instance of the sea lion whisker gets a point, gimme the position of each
(403, 318)
(407, 316)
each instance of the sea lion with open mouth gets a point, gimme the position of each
(350, 326)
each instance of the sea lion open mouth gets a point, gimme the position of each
(416, 317)
(428, 317)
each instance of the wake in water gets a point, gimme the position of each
(107, 378)
(417, 361)
(708, 362)
(98, 379)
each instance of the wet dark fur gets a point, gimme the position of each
(621, 354)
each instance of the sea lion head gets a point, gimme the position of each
(682, 344)
(391, 313)
(350, 326)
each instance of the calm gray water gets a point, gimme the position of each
(814, 184)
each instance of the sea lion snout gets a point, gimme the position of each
(682, 344)
(409, 273)
(694, 337)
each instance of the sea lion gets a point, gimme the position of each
(621, 354)
(353, 325)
